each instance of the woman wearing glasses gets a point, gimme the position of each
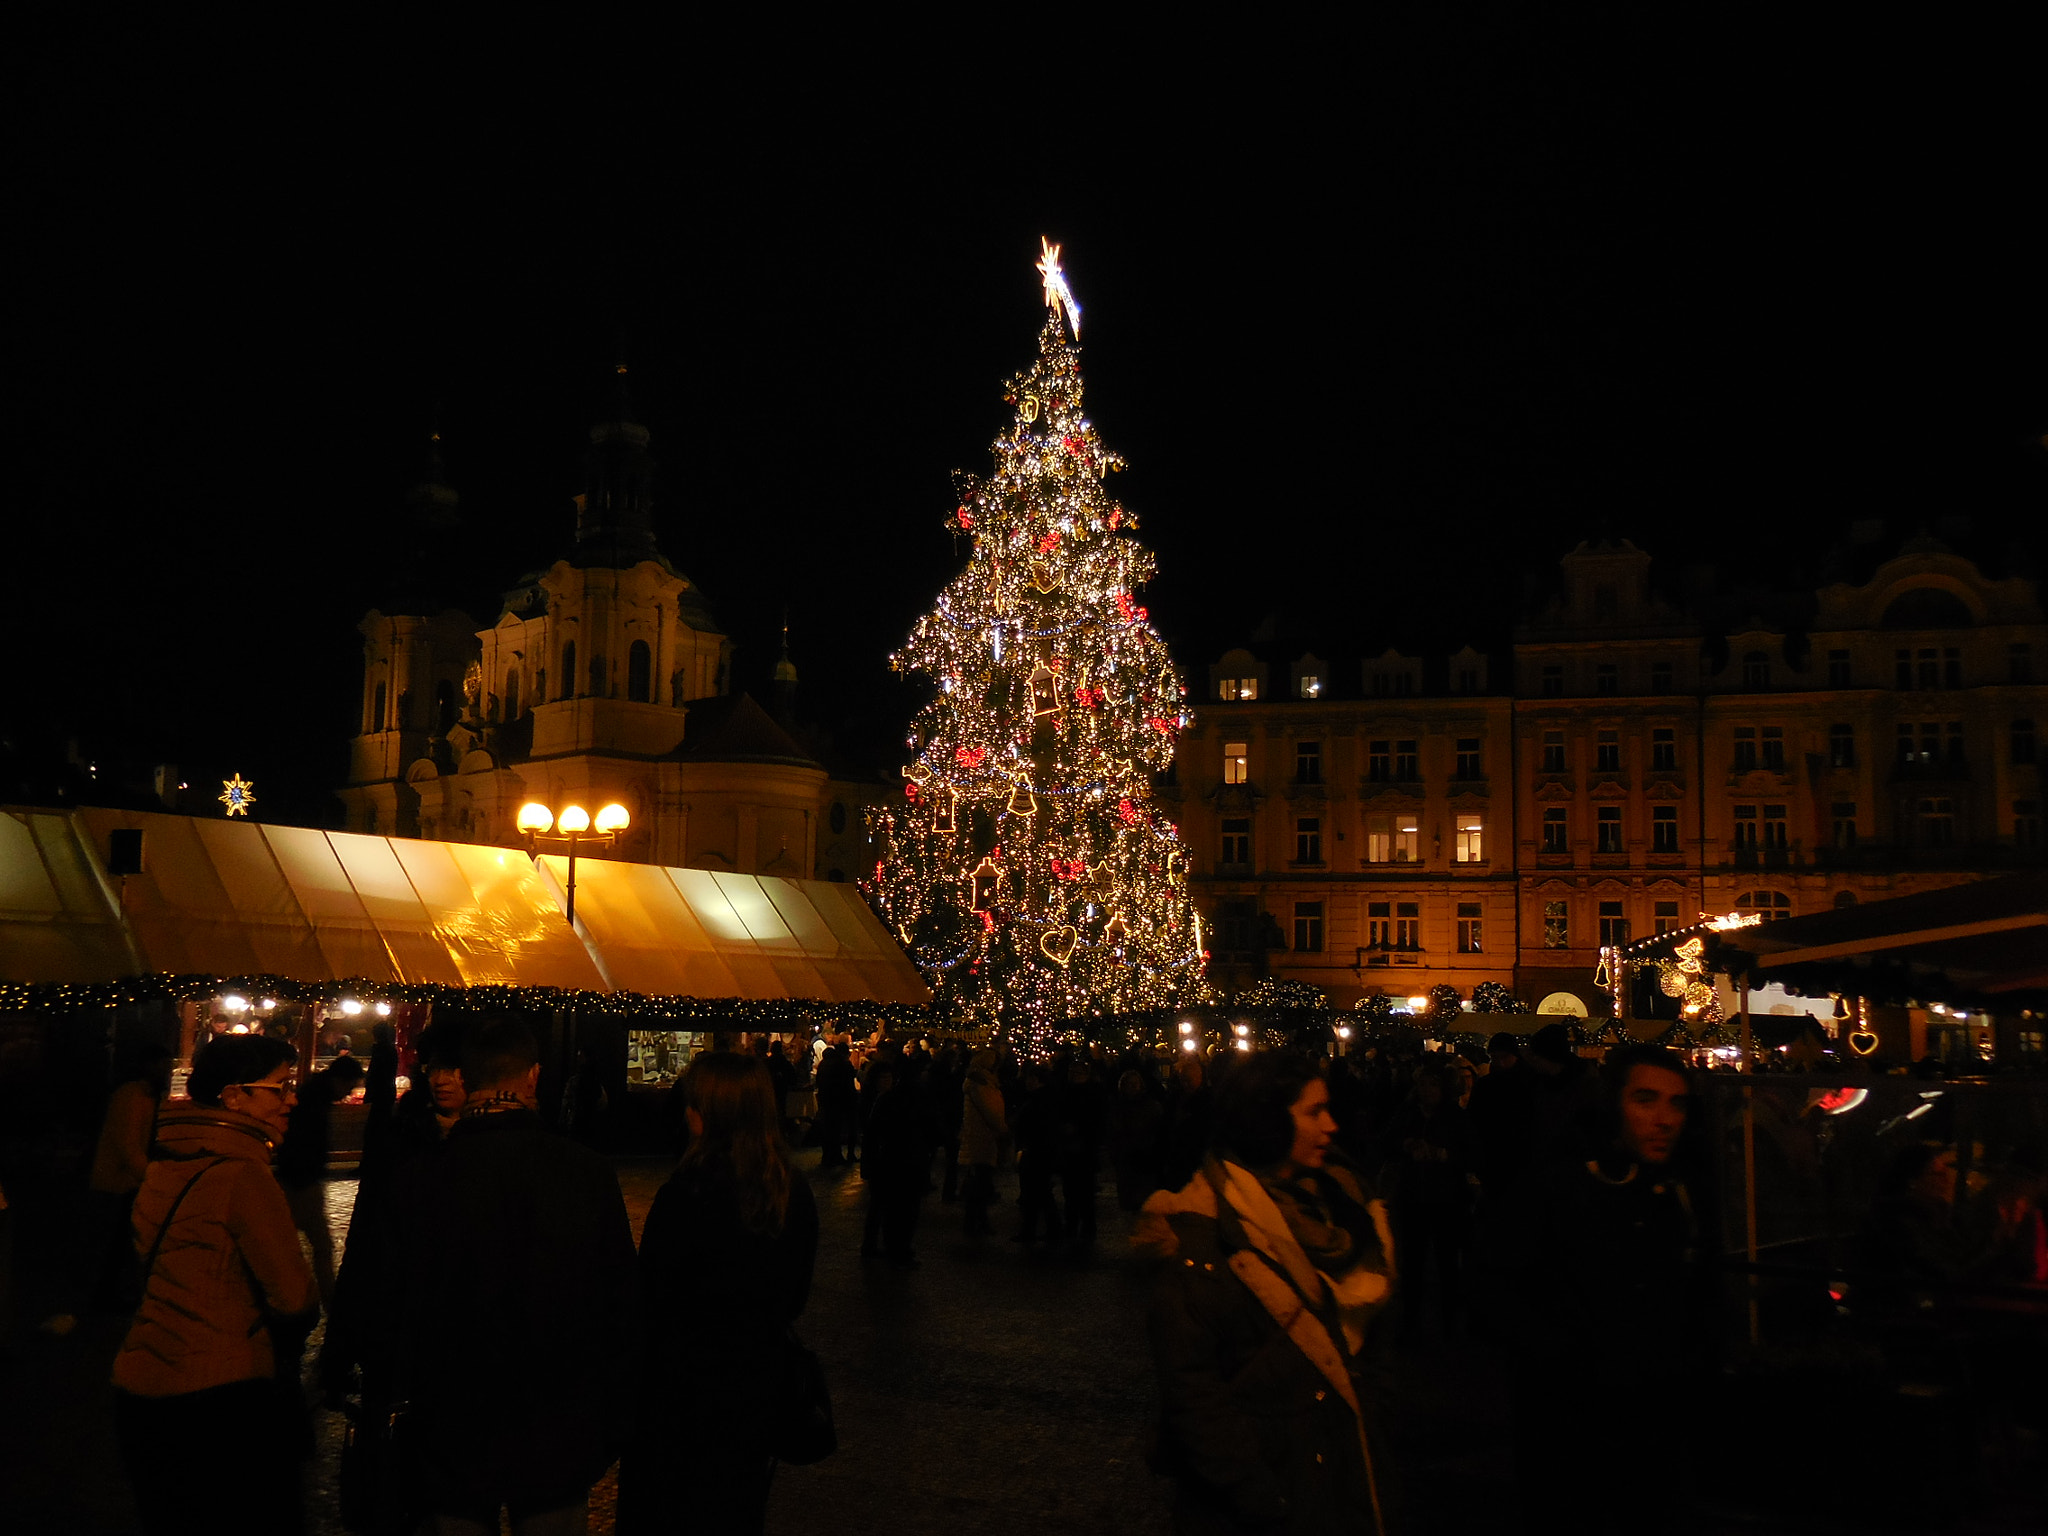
(222, 1268)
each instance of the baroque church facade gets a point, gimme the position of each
(603, 678)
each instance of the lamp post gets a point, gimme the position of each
(543, 828)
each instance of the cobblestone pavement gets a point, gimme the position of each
(1000, 1388)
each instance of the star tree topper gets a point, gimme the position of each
(237, 794)
(1057, 294)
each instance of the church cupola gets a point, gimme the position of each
(615, 513)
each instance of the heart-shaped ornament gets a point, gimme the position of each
(1043, 576)
(1058, 944)
(1862, 1041)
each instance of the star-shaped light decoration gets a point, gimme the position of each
(1057, 294)
(237, 794)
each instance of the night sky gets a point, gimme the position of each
(1378, 342)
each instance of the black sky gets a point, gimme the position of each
(1382, 323)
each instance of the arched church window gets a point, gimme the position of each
(511, 693)
(376, 710)
(640, 673)
(444, 706)
(568, 669)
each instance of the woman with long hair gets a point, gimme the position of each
(1273, 1266)
(725, 1268)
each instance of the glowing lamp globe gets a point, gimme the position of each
(235, 1004)
(351, 1007)
(573, 819)
(613, 818)
(1417, 1004)
(535, 817)
(1187, 1045)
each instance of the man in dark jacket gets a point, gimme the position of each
(515, 1283)
(835, 1102)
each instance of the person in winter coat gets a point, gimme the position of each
(103, 1274)
(1037, 1126)
(1273, 1266)
(227, 1299)
(725, 1263)
(983, 1129)
(896, 1162)
(1428, 1157)
(837, 1090)
(1625, 1225)
(512, 1280)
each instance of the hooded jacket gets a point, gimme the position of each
(1265, 1418)
(230, 1253)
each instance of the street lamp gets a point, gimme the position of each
(569, 829)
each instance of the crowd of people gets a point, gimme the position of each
(1304, 1217)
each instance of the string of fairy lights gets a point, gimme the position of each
(1028, 871)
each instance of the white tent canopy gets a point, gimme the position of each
(243, 898)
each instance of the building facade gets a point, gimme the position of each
(1420, 821)
(604, 678)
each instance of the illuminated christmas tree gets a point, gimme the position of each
(1029, 870)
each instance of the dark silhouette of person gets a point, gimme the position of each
(896, 1160)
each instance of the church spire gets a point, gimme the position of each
(615, 513)
(785, 680)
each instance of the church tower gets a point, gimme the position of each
(604, 678)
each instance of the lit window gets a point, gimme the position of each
(1608, 825)
(1407, 838)
(1308, 925)
(1664, 747)
(1663, 829)
(1555, 827)
(1469, 935)
(1236, 765)
(1238, 688)
(1311, 686)
(1379, 839)
(1613, 926)
(1237, 840)
(1557, 928)
(1471, 839)
(1308, 762)
(1308, 840)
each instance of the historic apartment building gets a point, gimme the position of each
(604, 678)
(1391, 825)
